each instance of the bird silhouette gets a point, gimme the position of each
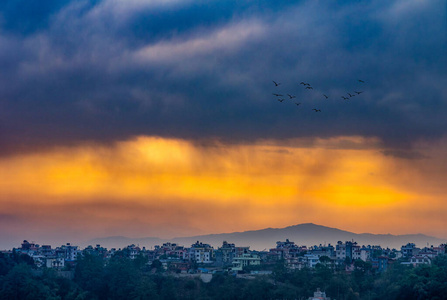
(325, 96)
(302, 83)
(276, 83)
(361, 81)
(344, 97)
(297, 103)
(280, 100)
(277, 95)
(309, 88)
(291, 96)
(358, 93)
(350, 95)
(316, 110)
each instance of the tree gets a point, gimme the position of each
(89, 274)
(20, 284)
(280, 270)
(6, 264)
(156, 264)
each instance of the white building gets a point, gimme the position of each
(244, 260)
(311, 260)
(71, 252)
(362, 254)
(200, 253)
(420, 260)
(55, 262)
(319, 295)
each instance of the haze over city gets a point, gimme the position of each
(150, 118)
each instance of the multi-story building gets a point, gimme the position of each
(346, 250)
(311, 260)
(224, 255)
(55, 262)
(285, 250)
(321, 250)
(68, 252)
(409, 250)
(200, 253)
(416, 260)
(172, 250)
(383, 263)
(420, 260)
(244, 260)
(361, 253)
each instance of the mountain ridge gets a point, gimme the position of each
(307, 234)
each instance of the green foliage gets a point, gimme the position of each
(6, 264)
(156, 264)
(125, 278)
(19, 283)
(89, 274)
(280, 270)
(325, 260)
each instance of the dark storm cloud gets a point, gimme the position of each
(105, 70)
(412, 155)
(24, 17)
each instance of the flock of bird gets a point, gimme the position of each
(281, 98)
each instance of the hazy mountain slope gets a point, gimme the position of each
(304, 234)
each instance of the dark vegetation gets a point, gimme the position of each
(122, 278)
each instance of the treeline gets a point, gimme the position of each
(123, 278)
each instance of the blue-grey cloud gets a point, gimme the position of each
(412, 155)
(23, 17)
(107, 70)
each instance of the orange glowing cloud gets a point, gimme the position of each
(157, 186)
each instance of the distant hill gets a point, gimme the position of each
(304, 234)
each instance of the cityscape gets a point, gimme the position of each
(288, 270)
(204, 258)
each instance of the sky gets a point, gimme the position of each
(157, 118)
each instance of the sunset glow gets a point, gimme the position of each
(213, 188)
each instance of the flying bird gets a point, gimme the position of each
(291, 96)
(350, 95)
(316, 110)
(297, 103)
(276, 83)
(280, 100)
(358, 93)
(325, 96)
(277, 95)
(361, 81)
(309, 88)
(302, 83)
(344, 97)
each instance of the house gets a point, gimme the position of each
(361, 253)
(383, 263)
(55, 262)
(420, 260)
(285, 250)
(200, 253)
(225, 254)
(409, 250)
(319, 295)
(345, 250)
(311, 260)
(244, 260)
